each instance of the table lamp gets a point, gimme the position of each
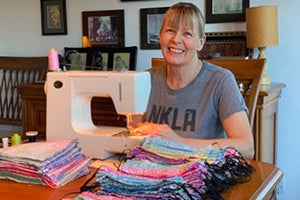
(262, 31)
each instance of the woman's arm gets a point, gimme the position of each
(236, 126)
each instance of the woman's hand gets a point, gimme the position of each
(155, 130)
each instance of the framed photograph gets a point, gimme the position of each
(219, 11)
(104, 28)
(92, 58)
(74, 59)
(124, 58)
(54, 17)
(105, 61)
(225, 45)
(151, 19)
(100, 58)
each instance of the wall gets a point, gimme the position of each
(20, 34)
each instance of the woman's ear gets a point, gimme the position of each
(202, 42)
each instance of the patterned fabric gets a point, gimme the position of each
(162, 169)
(92, 196)
(47, 163)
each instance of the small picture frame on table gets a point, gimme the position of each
(54, 17)
(151, 19)
(219, 11)
(104, 28)
(124, 58)
(111, 58)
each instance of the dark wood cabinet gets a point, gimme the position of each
(104, 113)
(33, 108)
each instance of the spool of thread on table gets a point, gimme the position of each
(53, 60)
(31, 135)
(16, 139)
(4, 142)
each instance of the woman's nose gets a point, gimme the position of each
(177, 37)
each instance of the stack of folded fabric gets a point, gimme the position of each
(161, 169)
(46, 163)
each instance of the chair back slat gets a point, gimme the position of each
(15, 71)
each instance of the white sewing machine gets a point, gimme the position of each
(69, 97)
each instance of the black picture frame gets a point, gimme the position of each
(226, 12)
(128, 57)
(109, 54)
(97, 32)
(151, 17)
(54, 17)
(225, 44)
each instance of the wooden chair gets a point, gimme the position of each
(15, 71)
(158, 62)
(247, 73)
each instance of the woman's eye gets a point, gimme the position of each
(170, 30)
(188, 34)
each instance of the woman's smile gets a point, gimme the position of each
(175, 50)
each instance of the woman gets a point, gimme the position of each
(193, 101)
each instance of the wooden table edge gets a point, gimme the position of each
(268, 185)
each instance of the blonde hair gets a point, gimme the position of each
(188, 12)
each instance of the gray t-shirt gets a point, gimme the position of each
(197, 110)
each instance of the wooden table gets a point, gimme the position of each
(261, 186)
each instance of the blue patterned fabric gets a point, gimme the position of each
(46, 163)
(162, 169)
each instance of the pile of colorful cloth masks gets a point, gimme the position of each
(162, 169)
(46, 163)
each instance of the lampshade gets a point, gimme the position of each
(262, 26)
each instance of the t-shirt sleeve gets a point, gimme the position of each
(230, 99)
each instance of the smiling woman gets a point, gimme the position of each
(189, 101)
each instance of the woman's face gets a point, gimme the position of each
(179, 45)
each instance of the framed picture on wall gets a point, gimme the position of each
(218, 11)
(104, 28)
(231, 45)
(54, 20)
(151, 19)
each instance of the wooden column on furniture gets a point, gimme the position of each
(265, 122)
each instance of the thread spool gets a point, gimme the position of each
(15, 139)
(31, 135)
(53, 60)
(4, 142)
(85, 42)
